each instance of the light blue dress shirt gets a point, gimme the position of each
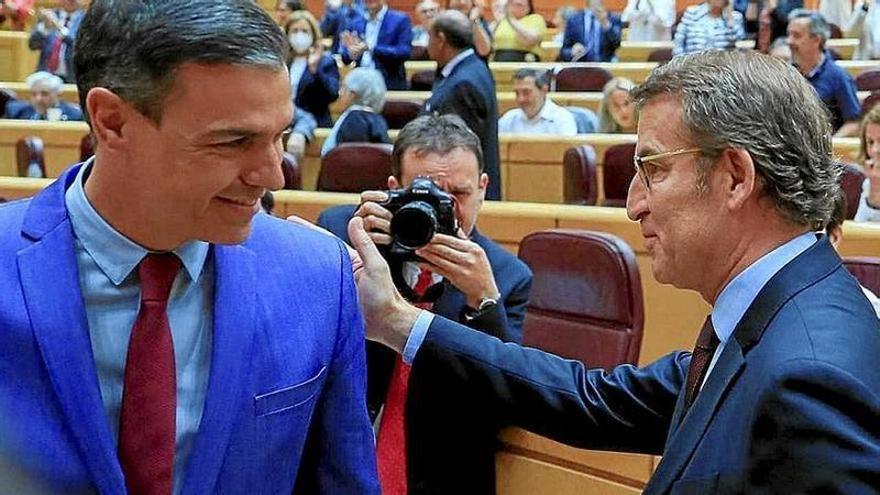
(371, 37)
(107, 263)
(739, 294)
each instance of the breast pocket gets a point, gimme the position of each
(287, 398)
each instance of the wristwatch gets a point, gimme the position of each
(485, 306)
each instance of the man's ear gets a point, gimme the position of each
(740, 177)
(108, 114)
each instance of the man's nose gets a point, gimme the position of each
(636, 199)
(265, 170)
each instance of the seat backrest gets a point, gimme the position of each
(868, 80)
(579, 184)
(586, 300)
(586, 120)
(836, 32)
(617, 172)
(6, 95)
(580, 79)
(422, 80)
(398, 113)
(869, 102)
(355, 167)
(866, 269)
(419, 52)
(86, 147)
(660, 55)
(291, 171)
(851, 183)
(29, 157)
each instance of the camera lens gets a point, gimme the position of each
(414, 224)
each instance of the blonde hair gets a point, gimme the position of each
(607, 124)
(872, 117)
(304, 15)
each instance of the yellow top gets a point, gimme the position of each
(505, 36)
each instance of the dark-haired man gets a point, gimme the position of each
(149, 342)
(464, 86)
(536, 113)
(473, 281)
(781, 393)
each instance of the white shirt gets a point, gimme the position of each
(371, 37)
(552, 119)
(866, 27)
(649, 20)
(447, 69)
(297, 69)
(865, 213)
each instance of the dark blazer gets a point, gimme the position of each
(334, 22)
(609, 38)
(791, 406)
(363, 127)
(23, 110)
(44, 42)
(271, 418)
(472, 455)
(317, 91)
(469, 92)
(392, 48)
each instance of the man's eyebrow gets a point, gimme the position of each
(226, 133)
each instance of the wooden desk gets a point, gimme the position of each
(17, 61)
(638, 51)
(61, 142)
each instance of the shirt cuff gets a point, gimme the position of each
(417, 336)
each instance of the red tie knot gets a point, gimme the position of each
(157, 272)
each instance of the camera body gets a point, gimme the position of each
(418, 212)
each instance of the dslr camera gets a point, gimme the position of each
(418, 212)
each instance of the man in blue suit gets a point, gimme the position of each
(382, 40)
(45, 103)
(464, 86)
(478, 283)
(159, 334)
(591, 35)
(54, 36)
(782, 391)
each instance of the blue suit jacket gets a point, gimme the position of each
(609, 38)
(44, 42)
(392, 47)
(23, 110)
(469, 450)
(469, 92)
(285, 399)
(792, 405)
(317, 91)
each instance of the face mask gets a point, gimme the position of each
(300, 41)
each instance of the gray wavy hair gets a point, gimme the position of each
(750, 101)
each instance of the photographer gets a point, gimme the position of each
(477, 283)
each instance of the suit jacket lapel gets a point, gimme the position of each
(52, 294)
(693, 423)
(235, 322)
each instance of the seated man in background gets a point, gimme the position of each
(535, 112)
(807, 33)
(45, 103)
(470, 279)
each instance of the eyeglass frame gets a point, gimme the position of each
(639, 162)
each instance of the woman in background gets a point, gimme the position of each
(649, 20)
(617, 114)
(519, 33)
(712, 24)
(869, 152)
(314, 78)
(363, 96)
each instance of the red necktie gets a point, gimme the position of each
(705, 347)
(391, 442)
(54, 60)
(149, 399)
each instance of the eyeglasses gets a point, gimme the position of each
(640, 161)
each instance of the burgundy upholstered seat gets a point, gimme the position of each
(617, 172)
(586, 300)
(29, 157)
(580, 186)
(355, 167)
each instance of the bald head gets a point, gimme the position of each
(455, 28)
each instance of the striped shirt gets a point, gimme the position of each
(699, 31)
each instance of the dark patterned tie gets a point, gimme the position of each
(149, 398)
(705, 347)
(391, 441)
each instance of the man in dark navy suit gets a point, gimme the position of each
(782, 391)
(45, 103)
(481, 285)
(464, 86)
(382, 40)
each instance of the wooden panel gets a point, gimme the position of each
(60, 140)
(521, 475)
(17, 61)
(638, 51)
